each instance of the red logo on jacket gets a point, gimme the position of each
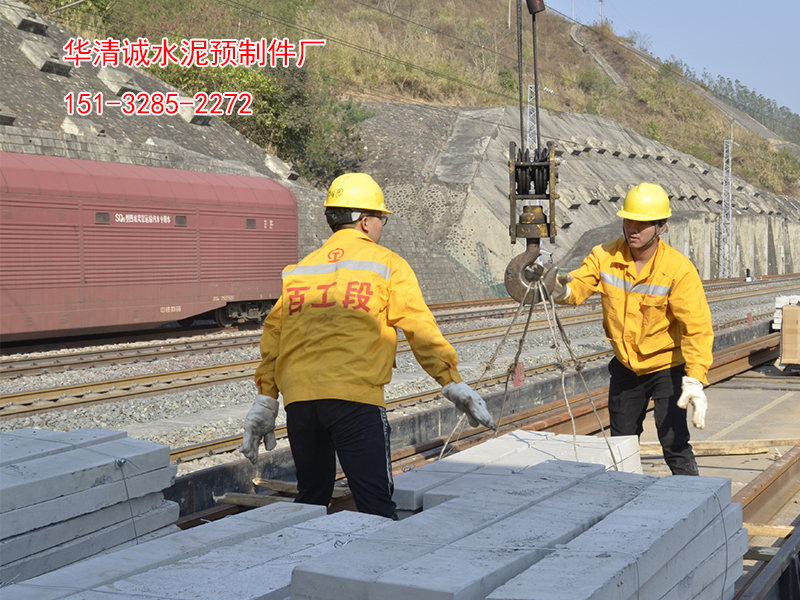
(335, 255)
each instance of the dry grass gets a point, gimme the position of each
(463, 53)
(472, 53)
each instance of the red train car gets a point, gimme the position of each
(91, 247)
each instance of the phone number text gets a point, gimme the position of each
(158, 103)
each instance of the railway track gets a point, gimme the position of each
(69, 397)
(23, 365)
(727, 363)
(762, 499)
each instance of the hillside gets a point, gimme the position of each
(443, 167)
(457, 54)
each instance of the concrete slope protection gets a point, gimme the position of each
(463, 186)
(528, 524)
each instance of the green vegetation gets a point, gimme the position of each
(300, 115)
(442, 52)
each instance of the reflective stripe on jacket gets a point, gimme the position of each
(332, 332)
(655, 319)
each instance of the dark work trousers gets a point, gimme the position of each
(320, 430)
(628, 396)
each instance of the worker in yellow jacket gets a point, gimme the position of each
(329, 345)
(656, 315)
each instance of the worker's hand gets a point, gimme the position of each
(561, 290)
(259, 424)
(692, 393)
(470, 403)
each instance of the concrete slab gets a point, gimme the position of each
(26, 483)
(259, 568)
(715, 535)
(153, 535)
(51, 511)
(31, 542)
(470, 568)
(410, 487)
(88, 545)
(711, 576)
(28, 444)
(671, 511)
(348, 574)
(558, 448)
(108, 568)
(632, 544)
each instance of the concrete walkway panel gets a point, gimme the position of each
(105, 569)
(93, 543)
(45, 513)
(31, 542)
(28, 444)
(347, 575)
(470, 568)
(613, 558)
(410, 487)
(26, 483)
(258, 568)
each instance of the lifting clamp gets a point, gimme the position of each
(533, 175)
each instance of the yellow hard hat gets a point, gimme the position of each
(646, 202)
(357, 191)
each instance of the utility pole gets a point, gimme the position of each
(601, 12)
(726, 228)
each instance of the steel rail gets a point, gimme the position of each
(551, 416)
(761, 500)
(231, 443)
(17, 366)
(25, 366)
(19, 404)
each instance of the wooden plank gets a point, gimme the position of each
(290, 487)
(722, 448)
(760, 553)
(778, 531)
(253, 500)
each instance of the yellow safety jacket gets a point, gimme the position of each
(655, 319)
(332, 332)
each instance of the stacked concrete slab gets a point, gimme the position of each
(489, 464)
(246, 556)
(563, 531)
(555, 529)
(65, 496)
(681, 539)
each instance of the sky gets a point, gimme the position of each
(757, 43)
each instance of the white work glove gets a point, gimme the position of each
(692, 393)
(470, 403)
(561, 291)
(259, 424)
